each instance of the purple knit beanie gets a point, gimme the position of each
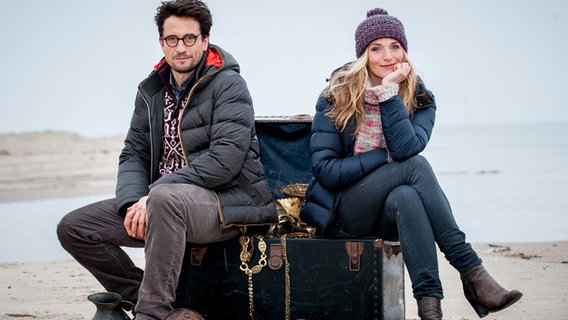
(378, 25)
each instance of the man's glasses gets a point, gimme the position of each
(188, 40)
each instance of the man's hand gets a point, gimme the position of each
(136, 218)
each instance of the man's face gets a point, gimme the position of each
(183, 58)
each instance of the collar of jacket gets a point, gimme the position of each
(215, 58)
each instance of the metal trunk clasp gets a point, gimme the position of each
(354, 251)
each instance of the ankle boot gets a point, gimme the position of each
(429, 308)
(484, 293)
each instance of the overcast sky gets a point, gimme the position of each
(74, 65)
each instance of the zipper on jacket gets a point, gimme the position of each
(182, 112)
(220, 208)
(151, 137)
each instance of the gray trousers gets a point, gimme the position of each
(177, 213)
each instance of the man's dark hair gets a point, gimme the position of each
(185, 8)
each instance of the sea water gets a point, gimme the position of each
(506, 183)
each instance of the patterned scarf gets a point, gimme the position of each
(173, 158)
(370, 135)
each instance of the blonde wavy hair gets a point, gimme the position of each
(347, 86)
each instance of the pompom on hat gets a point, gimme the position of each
(379, 24)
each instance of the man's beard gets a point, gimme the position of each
(185, 69)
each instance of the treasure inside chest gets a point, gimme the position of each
(291, 277)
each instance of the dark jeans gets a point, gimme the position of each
(403, 201)
(177, 213)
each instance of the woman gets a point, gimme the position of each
(371, 123)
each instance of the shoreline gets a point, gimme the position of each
(50, 164)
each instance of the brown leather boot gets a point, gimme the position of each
(484, 293)
(184, 314)
(429, 308)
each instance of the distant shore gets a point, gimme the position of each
(49, 164)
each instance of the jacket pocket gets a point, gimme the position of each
(318, 206)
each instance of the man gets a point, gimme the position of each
(189, 170)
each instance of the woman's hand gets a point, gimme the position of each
(401, 71)
(136, 219)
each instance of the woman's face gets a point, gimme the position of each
(383, 55)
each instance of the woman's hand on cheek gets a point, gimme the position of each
(401, 71)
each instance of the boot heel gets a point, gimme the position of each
(480, 309)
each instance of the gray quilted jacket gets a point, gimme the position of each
(218, 138)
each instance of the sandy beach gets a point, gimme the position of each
(44, 165)
(53, 165)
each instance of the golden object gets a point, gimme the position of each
(286, 279)
(295, 189)
(289, 221)
(291, 205)
(247, 244)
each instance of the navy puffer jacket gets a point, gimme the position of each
(334, 165)
(218, 138)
